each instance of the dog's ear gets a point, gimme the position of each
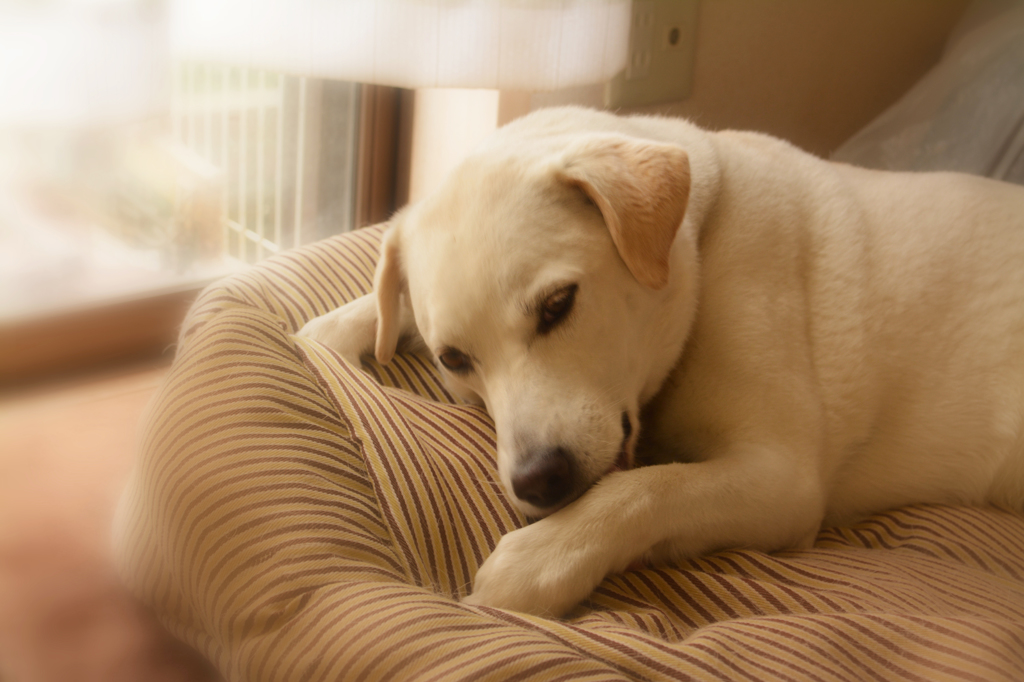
(388, 282)
(641, 189)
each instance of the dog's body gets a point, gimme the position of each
(806, 342)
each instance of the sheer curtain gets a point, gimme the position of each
(497, 44)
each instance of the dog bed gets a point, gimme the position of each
(294, 517)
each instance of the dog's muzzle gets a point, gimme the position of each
(548, 477)
(545, 480)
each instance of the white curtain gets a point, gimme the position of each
(499, 44)
(80, 63)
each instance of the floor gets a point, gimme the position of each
(65, 453)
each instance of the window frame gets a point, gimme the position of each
(145, 326)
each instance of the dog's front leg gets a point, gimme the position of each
(754, 498)
(351, 330)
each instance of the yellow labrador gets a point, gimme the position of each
(795, 343)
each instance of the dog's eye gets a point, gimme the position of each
(455, 360)
(556, 307)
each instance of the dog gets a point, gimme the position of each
(789, 343)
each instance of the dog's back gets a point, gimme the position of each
(882, 313)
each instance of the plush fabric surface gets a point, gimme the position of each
(295, 518)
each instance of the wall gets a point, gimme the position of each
(811, 71)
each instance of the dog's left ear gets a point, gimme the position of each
(641, 189)
(387, 284)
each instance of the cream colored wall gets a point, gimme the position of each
(447, 124)
(811, 71)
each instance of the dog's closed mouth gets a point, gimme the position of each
(622, 462)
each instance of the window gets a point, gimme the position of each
(128, 182)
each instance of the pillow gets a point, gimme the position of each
(298, 518)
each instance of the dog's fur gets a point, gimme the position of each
(803, 342)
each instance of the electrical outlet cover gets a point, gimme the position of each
(662, 39)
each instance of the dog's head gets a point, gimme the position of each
(552, 283)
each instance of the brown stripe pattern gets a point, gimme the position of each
(296, 518)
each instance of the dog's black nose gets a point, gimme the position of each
(545, 479)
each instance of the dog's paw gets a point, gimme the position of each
(535, 570)
(350, 330)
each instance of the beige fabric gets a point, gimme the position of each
(297, 519)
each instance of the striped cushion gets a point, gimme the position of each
(295, 518)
